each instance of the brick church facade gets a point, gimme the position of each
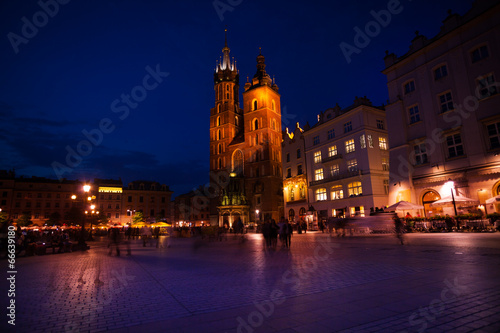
(245, 145)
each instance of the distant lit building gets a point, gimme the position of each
(191, 209)
(47, 201)
(443, 113)
(295, 192)
(149, 197)
(347, 160)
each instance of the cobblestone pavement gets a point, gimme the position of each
(435, 283)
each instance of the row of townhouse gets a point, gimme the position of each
(439, 133)
(45, 201)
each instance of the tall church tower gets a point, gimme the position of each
(226, 118)
(245, 144)
(262, 112)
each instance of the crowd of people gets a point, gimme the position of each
(272, 231)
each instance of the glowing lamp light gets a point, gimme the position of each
(92, 207)
(232, 174)
(86, 188)
(73, 197)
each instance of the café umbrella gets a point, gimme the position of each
(494, 200)
(403, 206)
(459, 200)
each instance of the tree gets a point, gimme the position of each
(138, 217)
(73, 216)
(54, 219)
(24, 219)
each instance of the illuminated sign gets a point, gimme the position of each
(110, 190)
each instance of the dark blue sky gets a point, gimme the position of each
(73, 73)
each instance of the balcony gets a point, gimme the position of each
(331, 158)
(342, 175)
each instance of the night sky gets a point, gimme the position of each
(72, 74)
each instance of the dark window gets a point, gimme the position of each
(299, 169)
(414, 114)
(409, 87)
(298, 153)
(480, 53)
(316, 140)
(455, 146)
(331, 134)
(440, 72)
(494, 135)
(348, 127)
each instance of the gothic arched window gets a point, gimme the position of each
(254, 104)
(256, 124)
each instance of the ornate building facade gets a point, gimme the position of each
(443, 113)
(245, 144)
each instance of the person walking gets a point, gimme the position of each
(289, 232)
(399, 228)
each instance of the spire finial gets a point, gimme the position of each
(260, 50)
(225, 32)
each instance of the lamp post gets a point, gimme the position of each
(81, 242)
(93, 214)
(452, 186)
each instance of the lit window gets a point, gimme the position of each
(494, 135)
(409, 87)
(332, 151)
(318, 174)
(382, 143)
(440, 72)
(349, 146)
(348, 127)
(352, 165)
(414, 114)
(385, 164)
(337, 192)
(316, 140)
(455, 146)
(420, 154)
(362, 141)
(331, 134)
(370, 140)
(321, 194)
(334, 170)
(380, 124)
(486, 86)
(317, 157)
(292, 193)
(480, 53)
(446, 102)
(354, 188)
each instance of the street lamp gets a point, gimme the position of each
(256, 216)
